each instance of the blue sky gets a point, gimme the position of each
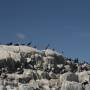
(65, 24)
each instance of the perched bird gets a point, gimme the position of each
(29, 44)
(9, 44)
(17, 44)
(22, 44)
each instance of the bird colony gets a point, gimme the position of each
(26, 68)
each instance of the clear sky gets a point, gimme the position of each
(65, 24)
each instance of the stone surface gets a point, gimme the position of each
(26, 68)
(67, 85)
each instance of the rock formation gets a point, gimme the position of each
(27, 68)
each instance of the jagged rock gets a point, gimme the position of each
(28, 68)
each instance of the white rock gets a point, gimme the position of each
(85, 75)
(1, 87)
(27, 72)
(67, 85)
(53, 82)
(28, 60)
(33, 84)
(4, 54)
(67, 67)
(24, 87)
(87, 87)
(11, 88)
(50, 52)
(8, 54)
(15, 56)
(45, 87)
(53, 89)
(19, 48)
(43, 82)
(60, 66)
(10, 48)
(69, 77)
(39, 72)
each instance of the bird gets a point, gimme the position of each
(10, 43)
(16, 44)
(29, 43)
(22, 44)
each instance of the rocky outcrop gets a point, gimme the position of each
(27, 68)
(67, 85)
